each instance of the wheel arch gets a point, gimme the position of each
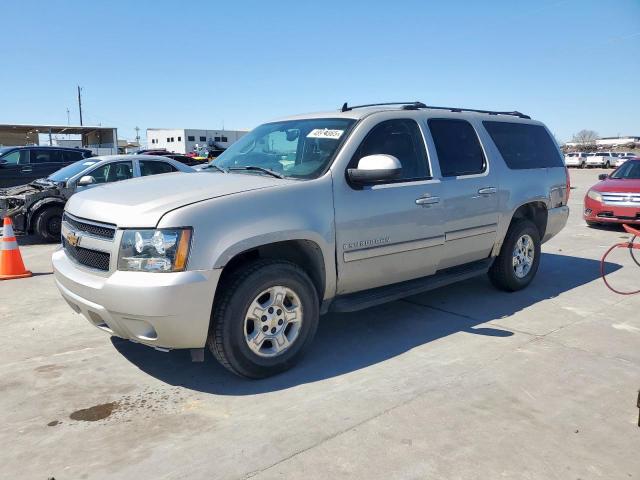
(535, 210)
(305, 253)
(40, 206)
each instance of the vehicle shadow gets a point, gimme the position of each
(26, 239)
(348, 342)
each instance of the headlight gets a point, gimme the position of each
(594, 195)
(162, 250)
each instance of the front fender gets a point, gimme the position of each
(43, 203)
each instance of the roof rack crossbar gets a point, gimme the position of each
(414, 104)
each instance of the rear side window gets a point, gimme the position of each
(46, 156)
(524, 145)
(458, 148)
(155, 168)
(71, 156)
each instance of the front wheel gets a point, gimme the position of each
(519, 257)
(47, 224)
(264, 318)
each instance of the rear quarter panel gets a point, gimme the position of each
(521, 186)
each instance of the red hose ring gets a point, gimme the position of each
(629, 245)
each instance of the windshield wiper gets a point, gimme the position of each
(258, 169)
(211, 165)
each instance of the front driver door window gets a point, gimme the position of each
(112, 172)
(402, 139)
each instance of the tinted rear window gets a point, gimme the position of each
(524, 145)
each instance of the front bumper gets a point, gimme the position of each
(598, 212)
(163, 310)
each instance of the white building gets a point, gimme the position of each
(617, 141)
(182, 140)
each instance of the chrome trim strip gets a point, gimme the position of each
(91, 222)
(470, 232)
(87, 241)
(401, 247)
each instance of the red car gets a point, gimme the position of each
(616, 198)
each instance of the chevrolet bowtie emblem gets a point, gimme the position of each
(73, 239)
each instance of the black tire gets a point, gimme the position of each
(226, 338)
(47, 224)
(502, 273)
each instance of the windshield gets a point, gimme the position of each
(294, 148)
(630, 170)
(69, 171)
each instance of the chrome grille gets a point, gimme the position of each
(86, 257)
(97, 230)
(621, 199)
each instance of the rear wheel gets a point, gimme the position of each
(264, 319)
(48, 222)
(519, 257)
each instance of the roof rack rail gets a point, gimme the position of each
(489, 112)
(417, 104)
(407, 105)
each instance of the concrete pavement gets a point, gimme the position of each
(464, 382)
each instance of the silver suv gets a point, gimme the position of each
(335, 211)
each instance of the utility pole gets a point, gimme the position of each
(68, 118)
(137, 129)
(80, 104)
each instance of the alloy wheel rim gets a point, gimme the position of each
(523, 256)
(273, 321)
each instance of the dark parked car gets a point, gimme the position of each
(21, 165)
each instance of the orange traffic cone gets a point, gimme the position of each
(11, 265)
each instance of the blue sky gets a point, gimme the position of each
(573, 64)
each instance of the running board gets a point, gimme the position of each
(376, 296)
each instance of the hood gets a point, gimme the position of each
(620, 186)
(141, 202)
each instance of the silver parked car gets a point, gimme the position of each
(334, 211)
(37, 206)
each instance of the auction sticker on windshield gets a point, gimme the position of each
(325, 133)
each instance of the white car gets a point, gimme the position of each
(623, 158)
(575, 159)
(601, 159)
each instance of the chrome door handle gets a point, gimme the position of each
(427, 200)
(27, 169)
(487, 191)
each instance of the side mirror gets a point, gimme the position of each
(603, 176)
(375, 169)
(86, 181)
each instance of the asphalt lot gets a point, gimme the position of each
(464, 382)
